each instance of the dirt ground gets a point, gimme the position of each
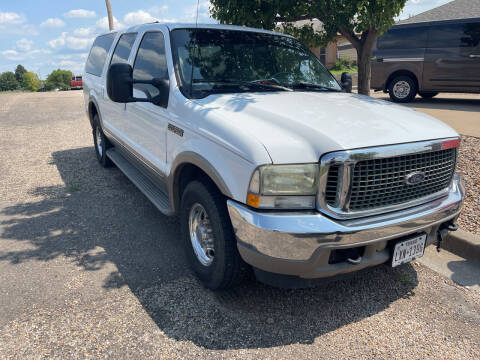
(90, 269)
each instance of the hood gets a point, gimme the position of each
(299, 127)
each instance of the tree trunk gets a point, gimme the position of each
(110, 15)
(364, 70)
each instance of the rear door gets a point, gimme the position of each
(452, 58)
(146, 123)
(114, 114)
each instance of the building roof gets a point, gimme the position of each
(457, 9)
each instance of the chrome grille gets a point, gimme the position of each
(381, 182)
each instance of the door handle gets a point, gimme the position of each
(473, 56)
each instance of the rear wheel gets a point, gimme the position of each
(402, 89)
(101, 143)
(208, 237)
(427, 95)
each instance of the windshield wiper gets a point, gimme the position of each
(249, 84)
(303, 86)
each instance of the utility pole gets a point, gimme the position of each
(110, 15)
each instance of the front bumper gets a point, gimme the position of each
(300, 243)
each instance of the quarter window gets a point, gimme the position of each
(123, 48)
(455, 35)
(98, 54)
(151, 62)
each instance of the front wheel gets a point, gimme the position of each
(209, 241)
(402, 89)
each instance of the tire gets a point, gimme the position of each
(219, 265)
(427, 95)
(101, 144)
(402, 89)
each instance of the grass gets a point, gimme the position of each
(73, 187)
(339, 72)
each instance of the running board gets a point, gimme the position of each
(143, 183)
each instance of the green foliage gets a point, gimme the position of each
(344, 64)
(58, 79)
(19, 71)
(8, 81)
(349, 16)
(31, 82)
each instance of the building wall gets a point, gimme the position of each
(339, 48)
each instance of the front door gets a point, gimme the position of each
(452, 59)
(146, 123)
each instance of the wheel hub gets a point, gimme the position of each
(98, 135)
(201, 234)
(401, 89)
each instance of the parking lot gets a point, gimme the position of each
(89, 268)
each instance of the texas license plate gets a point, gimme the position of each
(408, 250)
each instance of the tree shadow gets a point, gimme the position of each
(442, 103)
(100, 209)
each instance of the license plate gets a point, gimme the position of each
(408, 250)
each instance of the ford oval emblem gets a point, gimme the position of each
(415, 178)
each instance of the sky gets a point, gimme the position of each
(44, 35)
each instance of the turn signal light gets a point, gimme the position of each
(253, 200)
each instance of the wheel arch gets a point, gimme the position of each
(93, 110)
(189, 166)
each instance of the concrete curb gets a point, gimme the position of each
(463, 244)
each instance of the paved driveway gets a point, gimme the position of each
(89, 268)
(460, 111)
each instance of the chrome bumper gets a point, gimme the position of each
(299, 243)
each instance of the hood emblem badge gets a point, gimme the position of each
(415, 178)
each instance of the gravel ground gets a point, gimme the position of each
(469, 167)
(89, 269)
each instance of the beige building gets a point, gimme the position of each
(339, 48)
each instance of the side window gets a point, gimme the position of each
(98, 54)
(455, 35)
(404, 38)
(123, 48)
(151, 62)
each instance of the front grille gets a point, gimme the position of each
(381, 182)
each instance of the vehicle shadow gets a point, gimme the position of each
(100, 208)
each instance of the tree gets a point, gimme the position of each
(110, 14)
(58, 79)
(31, 82)
(19, 71)
(8, 81)
(360, 21)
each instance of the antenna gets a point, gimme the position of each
(193, 59)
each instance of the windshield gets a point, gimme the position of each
(226, 61)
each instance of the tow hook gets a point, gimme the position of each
(443, 231)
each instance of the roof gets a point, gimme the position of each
(173, 26)
(457, 9)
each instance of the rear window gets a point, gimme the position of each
(455, 35)
(403, 38)
(123, 48)
(98, 54)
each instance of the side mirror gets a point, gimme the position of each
(120, 83)
(120, 86)
(347, 82)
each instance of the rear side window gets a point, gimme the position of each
(455, 35)
(403, 38)
(98, 54)
(150, 62)
(123, 48)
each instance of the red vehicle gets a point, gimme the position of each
(76, 83)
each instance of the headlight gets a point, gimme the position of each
(283, 187)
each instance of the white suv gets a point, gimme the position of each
(269, 164)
